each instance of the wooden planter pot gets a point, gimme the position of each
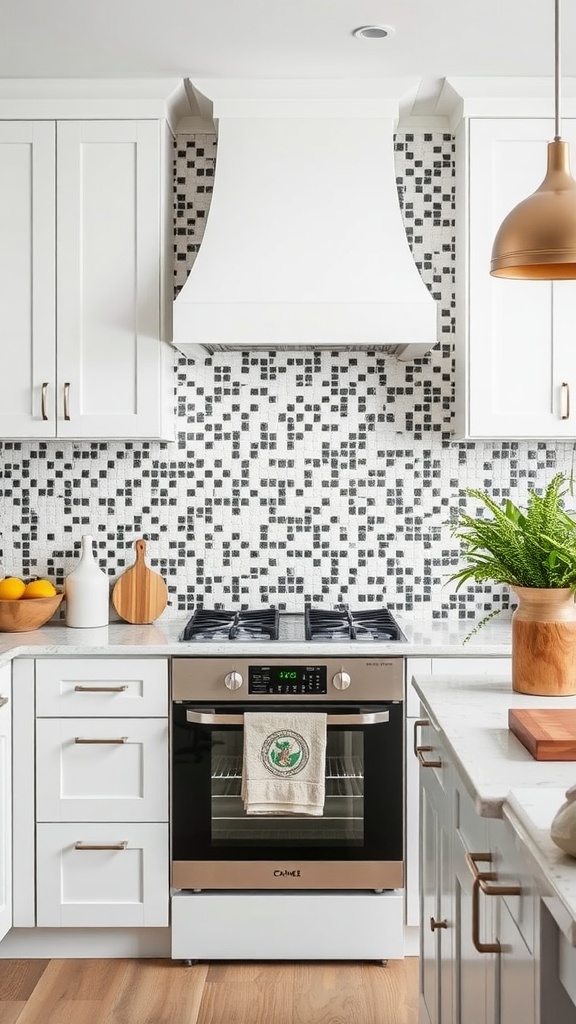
(544, 642)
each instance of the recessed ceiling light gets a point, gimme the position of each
(373, 31)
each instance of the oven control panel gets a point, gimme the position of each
(308, 680)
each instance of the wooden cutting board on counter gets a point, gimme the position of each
(549, 734)
(140, 595)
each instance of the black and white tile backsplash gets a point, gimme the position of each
(296, 476)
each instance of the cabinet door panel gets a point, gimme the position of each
(111, 886)
(516, 988)
(102, 769)
(109, 277)
(5, 801)
(27, 271)
(517, 357)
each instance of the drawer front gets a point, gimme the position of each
(122, 883)
(472, 828)
(102, 769)
(115, 687)
(511, 870)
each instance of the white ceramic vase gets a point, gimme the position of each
(563, 827)
(87, 591)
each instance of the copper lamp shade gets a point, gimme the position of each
(537, 240)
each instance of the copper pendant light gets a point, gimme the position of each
(537, 240)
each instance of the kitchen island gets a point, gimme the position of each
(498, 899)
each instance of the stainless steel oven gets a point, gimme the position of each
(357, 842)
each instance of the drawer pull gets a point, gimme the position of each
(3, 701)
(99, 689)
(85, 739)
(44, 394)
(101, 846)
(566, 400)
(420, 750)
(483, 882)
(437, 924)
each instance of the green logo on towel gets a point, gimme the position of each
(285, 753)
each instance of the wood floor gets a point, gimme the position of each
(164, 992)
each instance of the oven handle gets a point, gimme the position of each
(209, 718)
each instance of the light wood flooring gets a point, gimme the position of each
(165, 992)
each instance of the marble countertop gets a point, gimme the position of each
(424, 637)
(502, 778)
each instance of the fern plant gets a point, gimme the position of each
(534, 548)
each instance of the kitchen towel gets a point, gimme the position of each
(284, 763)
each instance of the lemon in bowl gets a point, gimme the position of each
(26, 606)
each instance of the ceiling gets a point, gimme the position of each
(281, 39)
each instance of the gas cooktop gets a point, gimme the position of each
(325, 625)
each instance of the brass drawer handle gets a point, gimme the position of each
(101, 846)
(83, 739)
(566, 397)
(100, 689)
(483, 881)
(44, 394)
(420, 750)
(67, 400)
(437, 924)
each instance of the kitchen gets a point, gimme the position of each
(297, 476)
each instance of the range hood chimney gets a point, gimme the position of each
(304, 245)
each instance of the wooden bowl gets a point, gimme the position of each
(27, 613)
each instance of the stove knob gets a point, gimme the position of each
(233, 680)
(341, 680)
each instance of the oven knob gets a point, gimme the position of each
(233, 680)
(341, 680)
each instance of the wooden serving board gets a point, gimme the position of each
(140, 595)
(549, 734)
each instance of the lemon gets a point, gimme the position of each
(39, 588)
(11, 588)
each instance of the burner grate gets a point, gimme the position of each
(219, 624)
(344, 624)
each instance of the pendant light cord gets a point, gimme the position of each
(556, 70)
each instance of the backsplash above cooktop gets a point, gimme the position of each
(323, 477)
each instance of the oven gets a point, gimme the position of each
(356, 843)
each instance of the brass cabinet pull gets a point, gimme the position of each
(566, 402)
(67, 400)
(483, 881)
(101, 846)
(437, 924)
(44, 394)
(99, 689)
(420, 750)
(83, 739)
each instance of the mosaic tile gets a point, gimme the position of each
(296, 476)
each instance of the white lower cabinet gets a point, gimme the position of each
(5, 800)
(95, 809)
(479, 907)
(106, 875)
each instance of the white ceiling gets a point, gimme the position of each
(281, 38)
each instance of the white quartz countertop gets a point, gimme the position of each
(425, 637)
(502, 778)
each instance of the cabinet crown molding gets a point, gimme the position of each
(72, 98)
(503, 97)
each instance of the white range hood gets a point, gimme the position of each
(304, 245)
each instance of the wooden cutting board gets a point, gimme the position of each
(140, 595)
(549, 734)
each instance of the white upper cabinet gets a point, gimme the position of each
(85, 271)
(515, 353)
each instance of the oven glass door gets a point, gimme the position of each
(362, 817)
